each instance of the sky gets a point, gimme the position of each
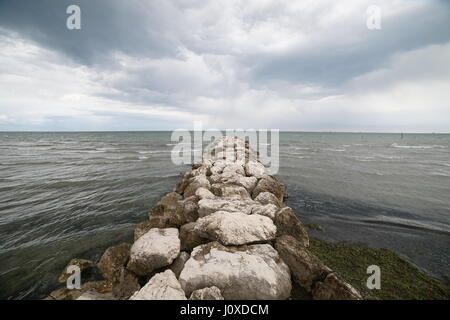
(161, 65)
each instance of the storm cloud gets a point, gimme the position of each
(160, 65)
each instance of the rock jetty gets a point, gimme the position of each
(224, 233)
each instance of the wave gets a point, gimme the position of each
(434, 146)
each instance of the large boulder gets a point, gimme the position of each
(305, 267)
(208, 206)
(189, 239)
(113, 260)
(125, 285)
(190, 209)
(211, 293)
(287, 223)
(247, 272)
(162, 286)
(268, 198)
(231, 191)
(155, 249)
(83, 264)
(255, 169)
(168, 212)
(236, 228)
(270, 184)
(199, 181)
(334, 288)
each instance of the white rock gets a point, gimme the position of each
(233, 168)
(155, 249)
(251, 272)
(204, 193)
(179, 262)
(235, 228)
(162, 286)
(268, 198)
(208, 206)
(256, 169)
(211, 293)
(197, 182)
(268, 210)
(234, 192)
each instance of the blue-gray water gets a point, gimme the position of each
(66, 195)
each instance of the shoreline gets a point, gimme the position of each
(302, 267)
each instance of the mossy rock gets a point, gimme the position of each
(399, 278)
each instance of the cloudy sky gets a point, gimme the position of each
(160, 65)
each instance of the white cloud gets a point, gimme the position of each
(282, 64)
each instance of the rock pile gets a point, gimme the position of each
(224, 233)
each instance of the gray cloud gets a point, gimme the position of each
(160, 65)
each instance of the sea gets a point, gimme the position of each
(67, 195)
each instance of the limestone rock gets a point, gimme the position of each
(190, 209)
(246, 272)
(204, 193)
(287, 223)
(162, 286)
(143, 227)
(125, 285)
(114, 260)
(333, 288)
(83, 264)
(210, 293)
(238, 192)
(155, 249)
(197, 182)
(189, 239)
(268, 210)
(235, 228)
(178, 264)
(168, 212)
(208, 206)
(92, 295)
(270, 184)
(305, 267)
(256, 169)
(268, 198)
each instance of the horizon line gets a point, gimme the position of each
(281, 131)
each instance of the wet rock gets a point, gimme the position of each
(63, 293)
(162, 286)
(189, 239)
(179, 262)
(155, 249)
(190, 209)
(114, 260)
(246, 272)
(235, 228)
(83, 264)
(210, 293)
(334, 288)
(125, 285)
(168, 212)
(305, 267)
(287, 223)
(268, 198)
(199, 181)
(270, 184)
